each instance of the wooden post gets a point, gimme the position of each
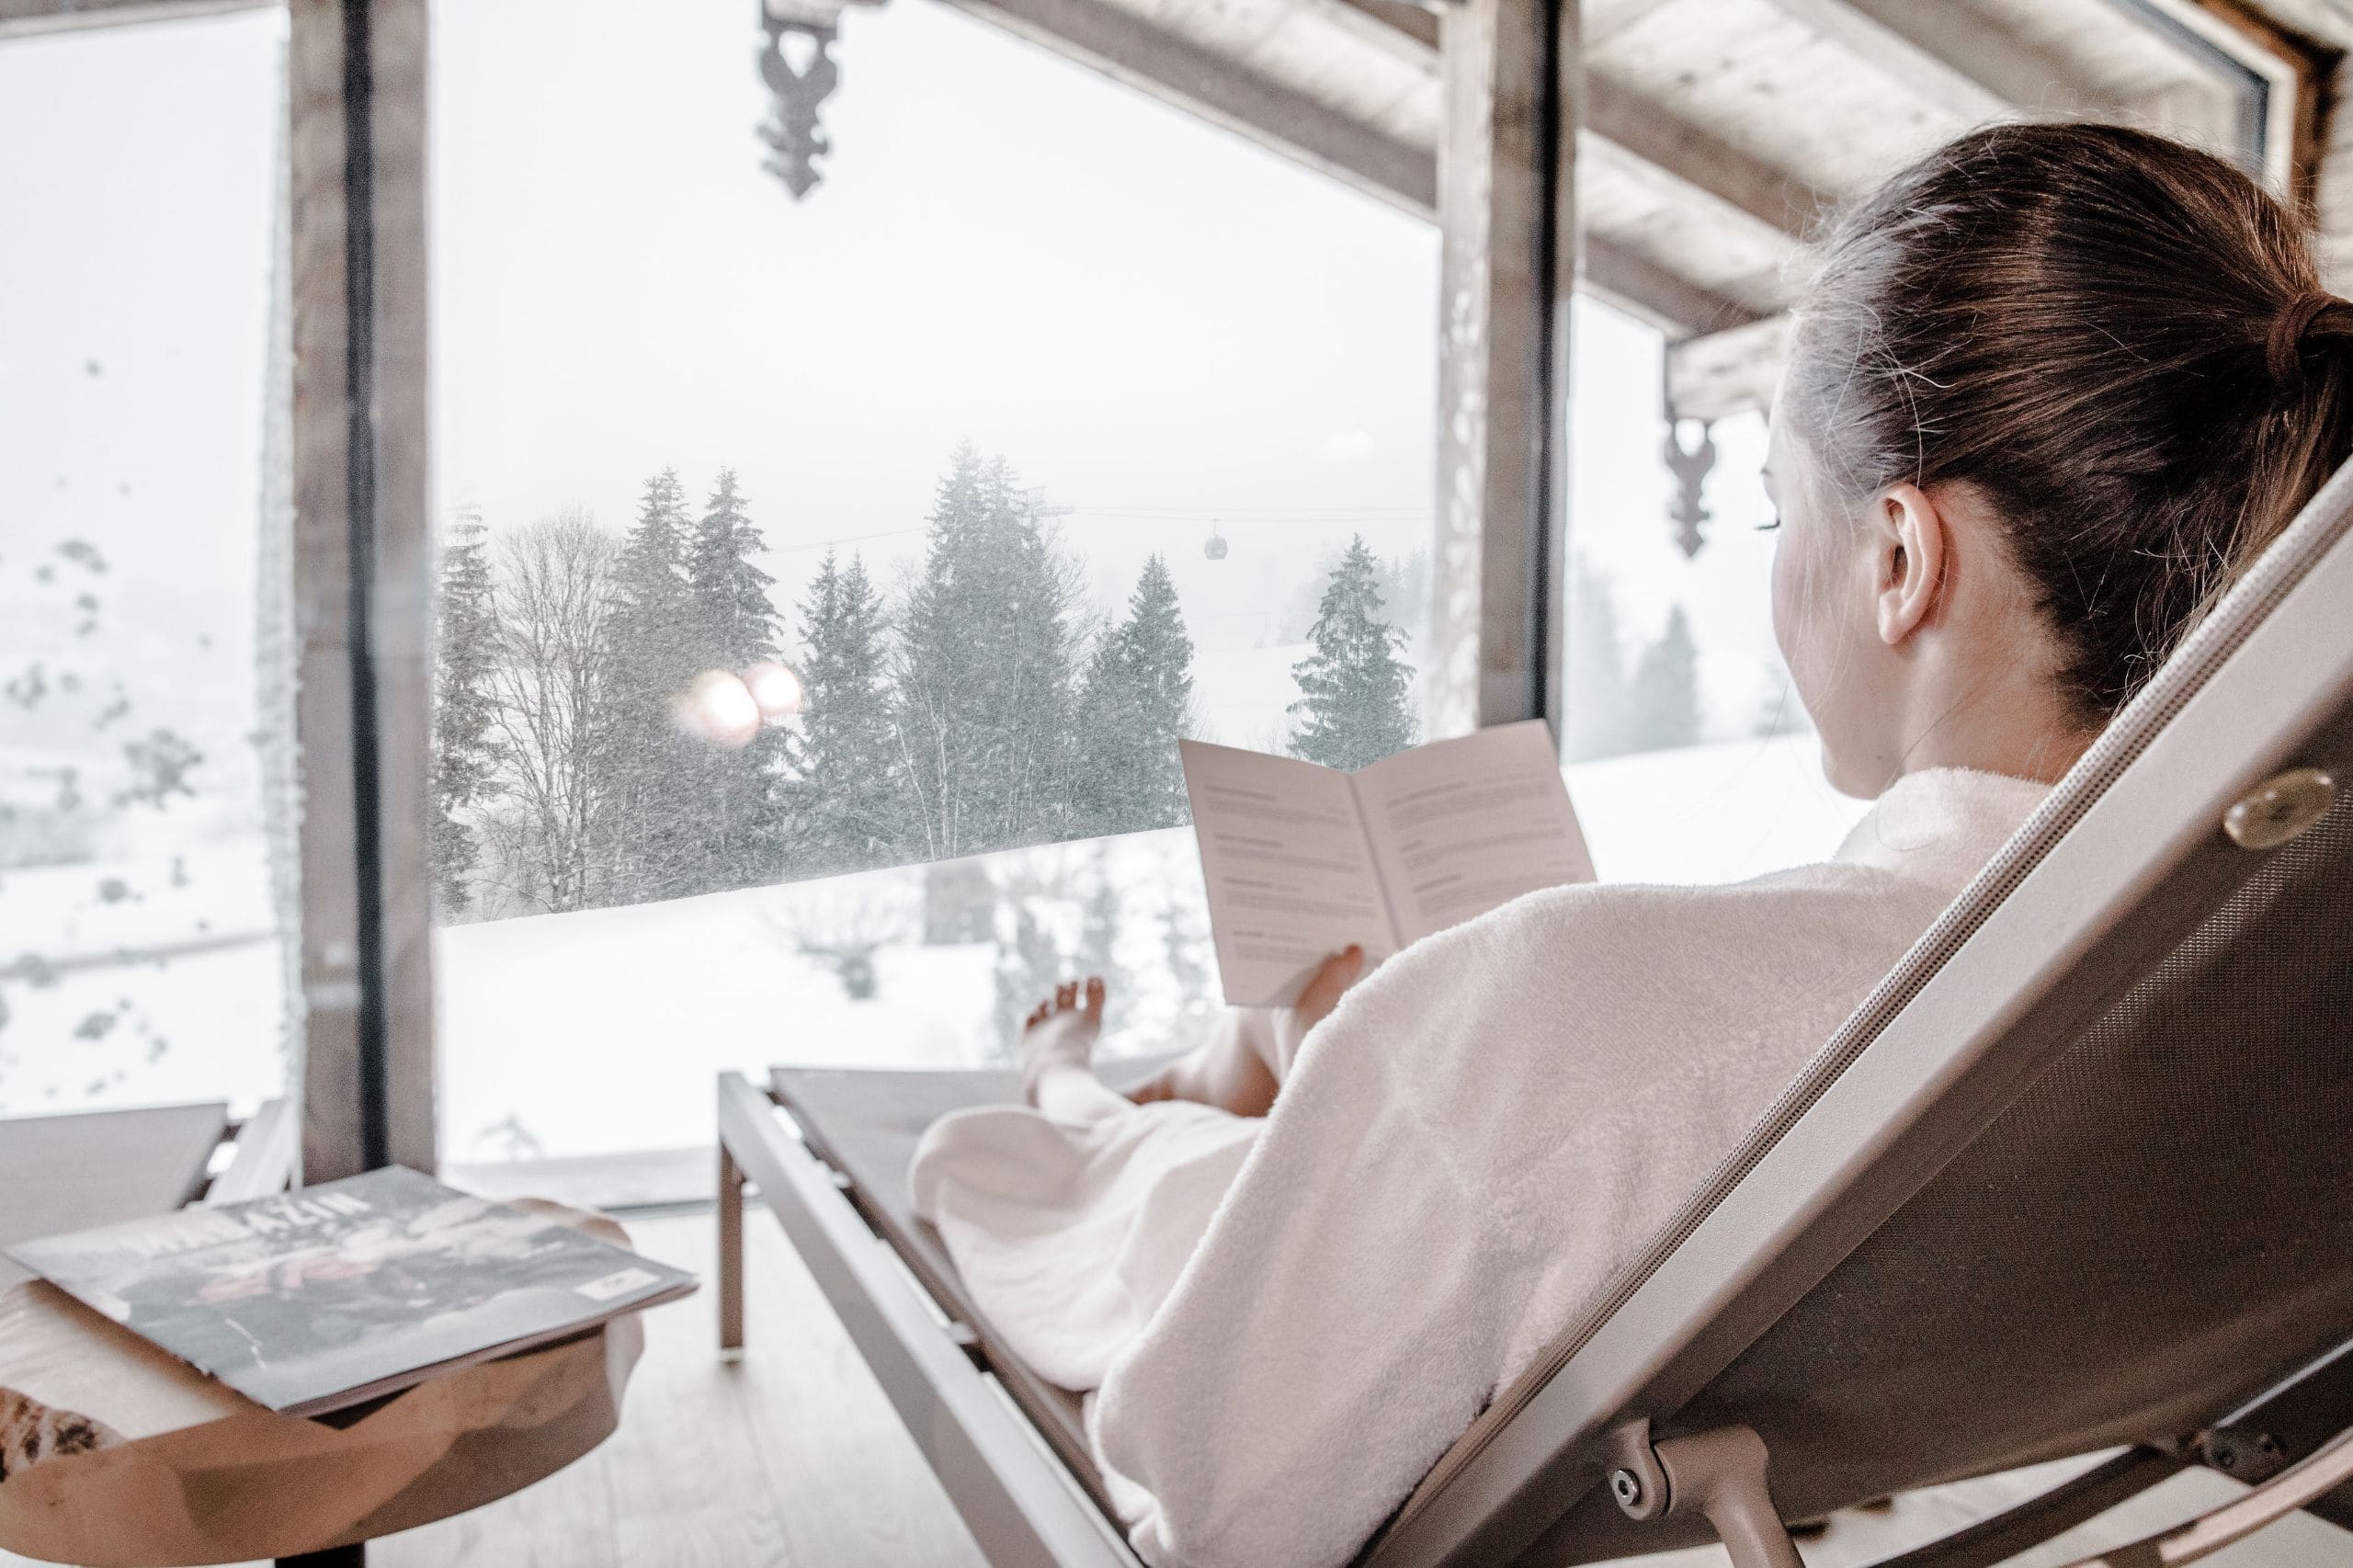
(1507, 222)
(363, 578)
(402, 574)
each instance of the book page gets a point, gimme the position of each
(1460, 826)
(1290, 877)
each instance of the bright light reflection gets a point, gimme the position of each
(719, 708)
(776, 688)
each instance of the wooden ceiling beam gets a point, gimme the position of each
(1126, 48)
(1939, 53)
(1129, 49)
(1726, 372)
(1703, 165)
(1700, 166)
(1647, 292)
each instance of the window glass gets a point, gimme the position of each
(1053, 423)
(147, 862)
(1689, 756)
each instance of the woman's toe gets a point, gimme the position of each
(1065, 996)
(1094, 997)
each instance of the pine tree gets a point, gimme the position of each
(984, 678)
(734, 621)
(735, 626)
(1666, 689)
(1136, 702)
(841, 807)
(1356, 704)
(465, 756)
(1596, 720)
(647, 850)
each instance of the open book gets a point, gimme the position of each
(1301, 859)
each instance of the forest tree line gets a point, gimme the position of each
(980, 704)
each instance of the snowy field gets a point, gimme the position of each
(136, 979)
(140, 979)
(602, 1031)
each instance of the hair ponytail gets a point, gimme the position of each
(2121, 341)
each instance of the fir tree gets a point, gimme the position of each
(734, 621)
(647, 851)
(465, 757)
(1356, 703)
(841, 807)
(735, 626)
(984, 676)
(1596, 717)
(1666, 689)
(1137, 701)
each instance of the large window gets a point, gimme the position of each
(1689, 756)
(1052, 425)
(147, 897)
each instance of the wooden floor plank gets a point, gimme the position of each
(798, 1363)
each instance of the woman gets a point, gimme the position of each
(2054, 387)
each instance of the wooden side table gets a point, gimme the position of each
(141, 1461)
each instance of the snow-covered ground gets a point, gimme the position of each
(1718, 812)
(139, 979)
(601, 1031)
(133, 980)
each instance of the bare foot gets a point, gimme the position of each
(1060, 1035)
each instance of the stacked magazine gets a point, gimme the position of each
(317, 1300)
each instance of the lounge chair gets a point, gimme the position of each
(2077, 1177)
(94, 1168)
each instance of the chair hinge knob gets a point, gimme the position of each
(2279, 807)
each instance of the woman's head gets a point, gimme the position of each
(2054, 387)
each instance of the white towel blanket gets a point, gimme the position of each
(1287, 1322)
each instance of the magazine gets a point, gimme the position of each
(1301, 860)
(336, 1294)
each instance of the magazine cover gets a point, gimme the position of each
(324, 1298)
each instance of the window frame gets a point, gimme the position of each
(357, 144)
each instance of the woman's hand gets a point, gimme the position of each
(1322, 994)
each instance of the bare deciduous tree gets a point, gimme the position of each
(552, 588)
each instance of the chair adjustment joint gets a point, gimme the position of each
(1719, 1474)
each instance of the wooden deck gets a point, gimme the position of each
(792, 1459)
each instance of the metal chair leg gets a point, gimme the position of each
(2323, 1471)
(731, 1253)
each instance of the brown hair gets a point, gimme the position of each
(2080, 321)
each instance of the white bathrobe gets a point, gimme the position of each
(1286, 1321)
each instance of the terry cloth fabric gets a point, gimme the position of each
(1288, 1321)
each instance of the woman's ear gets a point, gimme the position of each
(1910, 550)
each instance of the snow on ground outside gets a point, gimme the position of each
(1720, 812)
(601, 1031)
(141, 979)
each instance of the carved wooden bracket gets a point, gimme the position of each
(1690, 469)
(792, 131)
